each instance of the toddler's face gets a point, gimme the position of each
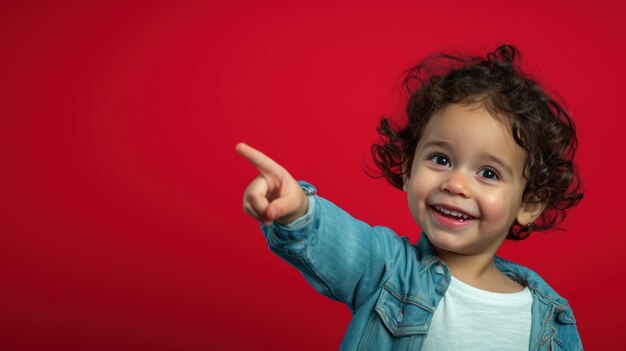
(466, 183)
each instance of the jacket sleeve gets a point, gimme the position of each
(341, 257)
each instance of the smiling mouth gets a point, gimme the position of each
(459, 216)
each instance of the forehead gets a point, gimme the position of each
(472, 130)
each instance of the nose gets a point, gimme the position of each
(457, 183)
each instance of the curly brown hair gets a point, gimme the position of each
(538, 124)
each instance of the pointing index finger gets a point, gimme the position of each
(259, 160)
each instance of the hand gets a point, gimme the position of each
(274, 195)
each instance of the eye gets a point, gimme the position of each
(489, 174)
(440, 160)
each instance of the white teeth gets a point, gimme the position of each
(451, 213)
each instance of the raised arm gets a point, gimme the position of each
(341, 257)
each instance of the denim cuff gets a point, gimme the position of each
(309, 191)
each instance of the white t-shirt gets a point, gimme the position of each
(468, 318)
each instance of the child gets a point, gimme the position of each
(486, 156)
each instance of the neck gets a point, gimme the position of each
(479, 271)
(469, 267)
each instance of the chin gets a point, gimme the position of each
(448, 242)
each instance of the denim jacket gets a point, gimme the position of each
(393, 287)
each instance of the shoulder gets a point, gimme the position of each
(544, 292)
(407, 254)
(415, 272)
(551, 306)
(529, 278)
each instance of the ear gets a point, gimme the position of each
(406, 176)
(529, 212)
(405, 183)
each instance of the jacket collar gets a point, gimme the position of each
(519, 273)
(427, 252)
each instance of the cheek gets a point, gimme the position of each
(418, 191)
(414, 199)
(417, 207)
(423, 180)
(496, 205)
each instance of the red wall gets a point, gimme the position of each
(120, 191)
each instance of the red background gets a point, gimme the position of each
(120, 191)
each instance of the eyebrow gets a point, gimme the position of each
(441, 144)
(484, 155)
